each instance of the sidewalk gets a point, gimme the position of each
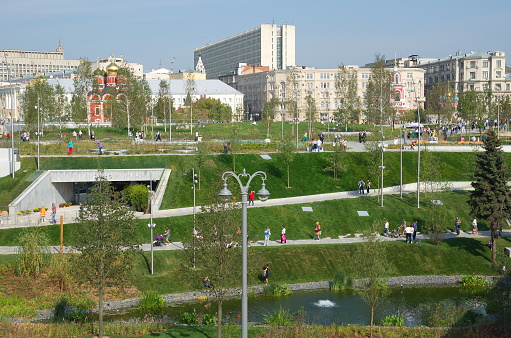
(350, 238)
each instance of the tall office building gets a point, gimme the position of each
(269, 45)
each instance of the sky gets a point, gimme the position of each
(164, 33)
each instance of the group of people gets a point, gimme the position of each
(158, 239)
(42, 213)
(364, 186)
(362, 136)
(267, 234)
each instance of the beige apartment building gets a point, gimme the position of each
(477, 71)
(297, 83)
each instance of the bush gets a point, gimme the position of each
(393, 320)
(209, 320)
(276, 290)
(137, 196)
(188, 318)
(474, 281)
(283, 317)
(151, 304)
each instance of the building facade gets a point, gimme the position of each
(298, 84)
(269, 45)
(478, 71)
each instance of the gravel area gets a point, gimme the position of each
(404, 281)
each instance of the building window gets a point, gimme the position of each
(498, 74)
(309, 76)
(499, 63)
(471, 87)
(485, 64)
(498, 87)
(324, 75)
(485, 74)
(472, 75)
(508, 87)
(409, 75)
(472, 64)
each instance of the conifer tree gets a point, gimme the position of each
(491, 199)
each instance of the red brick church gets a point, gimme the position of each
(108, 86)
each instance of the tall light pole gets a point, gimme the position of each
(13, 161)
(128, 114)
(151, 224)
(401, 162)
(418, 100)
(283, 93)
(38, 133)
(170, 101)
(194, 182)
(382, 167)
(225, 195)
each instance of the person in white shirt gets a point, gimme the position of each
(386, 228)
(474, 227)
(408, 233)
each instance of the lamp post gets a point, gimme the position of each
(418, 100)
(38, 133)
(194, 182)
(151, 225)
(283, 93)
(401, 162)
(225, 195)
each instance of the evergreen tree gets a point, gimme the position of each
(491, 199)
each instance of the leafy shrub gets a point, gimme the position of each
(209, 320)
(64, 312)
(283, 317)
(151, 304)
(137, 196)
(396, 321)
(276, 290)
(33, 253)
(188, 318)
(474, 281)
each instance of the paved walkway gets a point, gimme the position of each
(69, 214)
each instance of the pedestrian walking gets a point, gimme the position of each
(283, 237)
(409, 233)
(317, 231)
(386, 227)
(267, 234)
(167, 236)
(251, 197)
(100, 147)
(457, 225)
(42, 213)
(266, 273)
(53, 213)
(414, 226)
(361, 186)
(474, 227)
(368, 185)
(70, 147)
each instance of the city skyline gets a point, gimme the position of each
(160, 32)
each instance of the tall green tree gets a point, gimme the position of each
(38, 103)
(213, 110)
(105, 241)
(372, 266)
(83, 84)
(439, 102)
(346, 90)
(312, 111)
(135, 100)
(191, 90)
(163, 106)
(379, 93)
(217, 251)
(491, 199)
(61, 104)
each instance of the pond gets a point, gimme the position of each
(324, 307)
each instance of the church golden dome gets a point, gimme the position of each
(112, 68)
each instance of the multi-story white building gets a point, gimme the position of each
(297, 83)
(268, 45)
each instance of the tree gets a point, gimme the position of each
(439, 102)
(379, 93)
(217, 252)
(191, 90)
(162, 107)
(472, 107)
(491, 198)
(287, 152)
(269, 113)
(106, 241)
(312, 111)
(371, 264)
(61, 104)
(436, 222)
(346, 89)
(83, 84)
(37, 102)
(213, 110)
(336, 161)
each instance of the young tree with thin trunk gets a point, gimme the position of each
(472, 107)
(379, 93)
(106, 241)
(346, 89)
(83, 84)
(336, 161)
(216, 253)
(491, 199)
(269, 113)
(287, 151)
(439, 103)
(37, 103)
(372, 266)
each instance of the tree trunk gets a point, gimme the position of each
(372, 320)
(288, 176)
(493, 248)
(100, 301)
(219, 314)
